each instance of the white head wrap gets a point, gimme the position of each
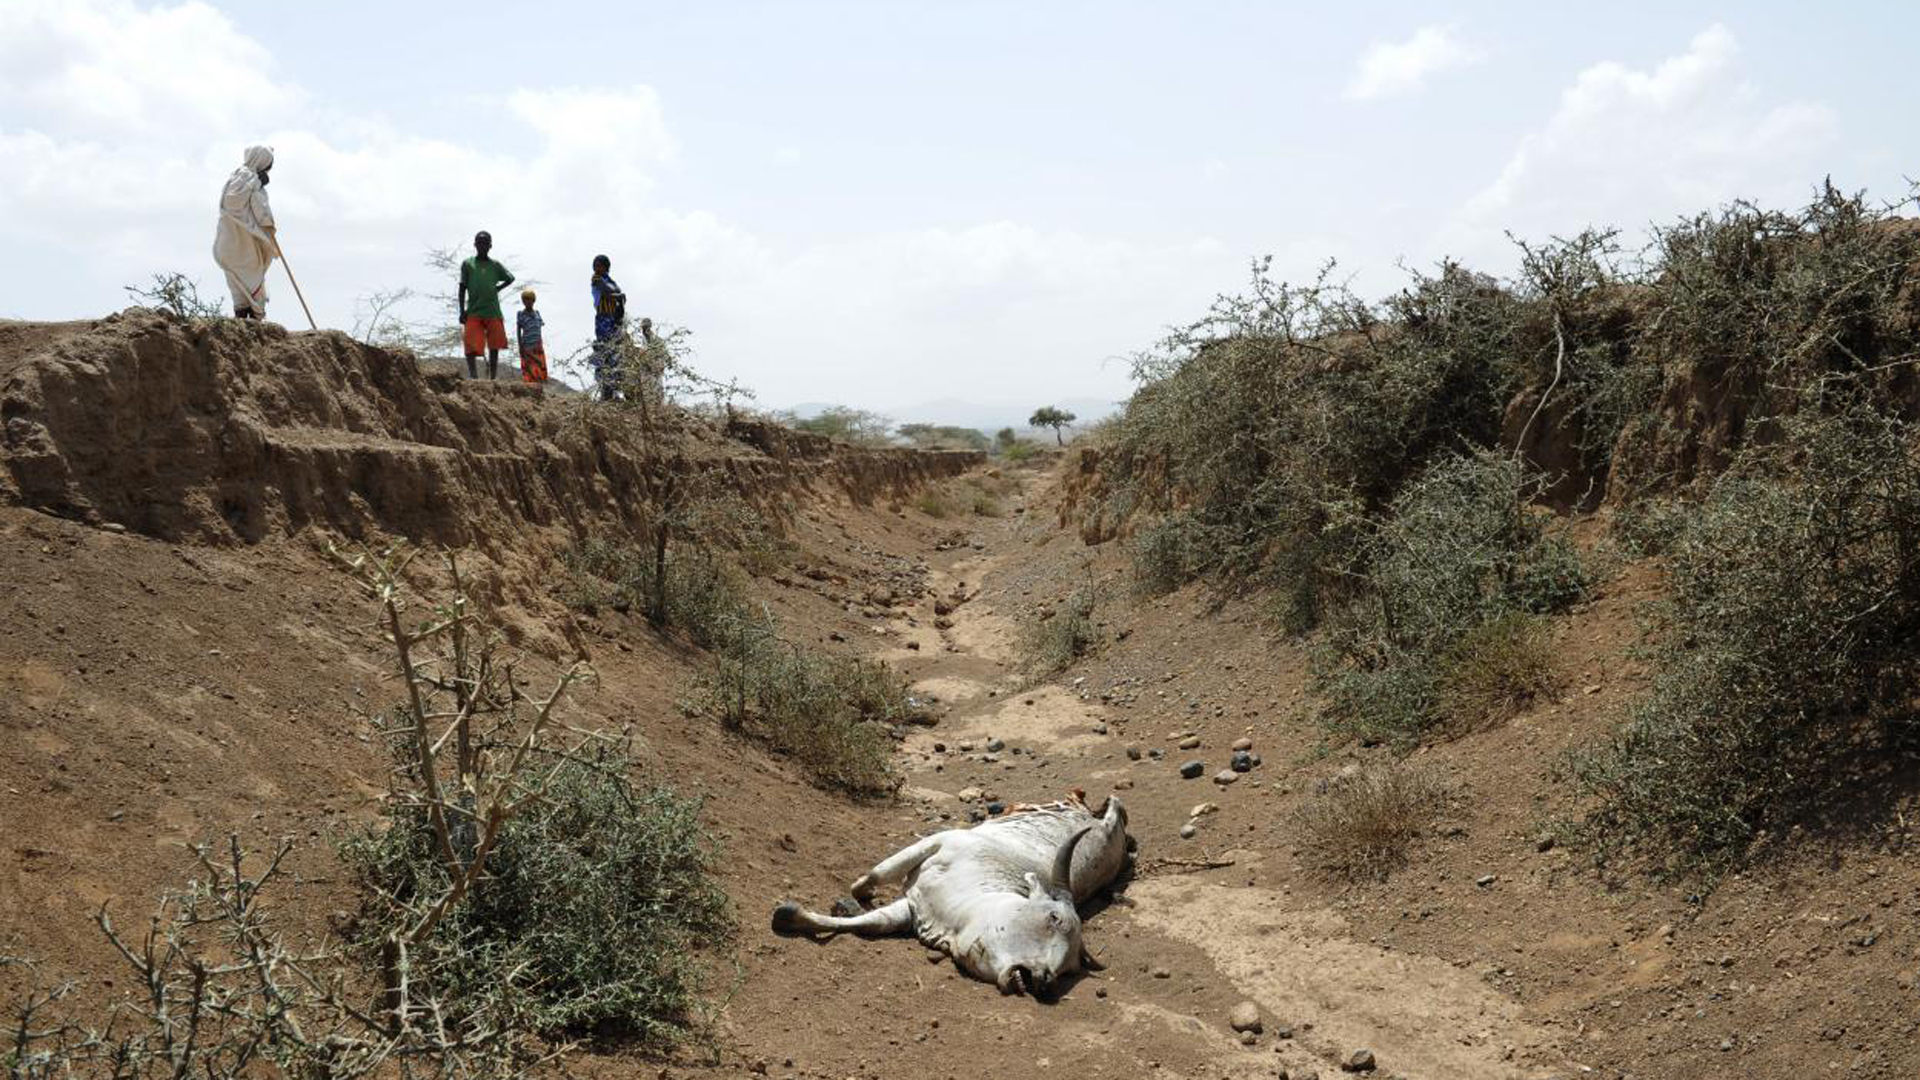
(259, 157)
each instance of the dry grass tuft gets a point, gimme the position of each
(1495, 671)
(1360, 825)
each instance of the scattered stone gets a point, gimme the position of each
(1099, 729)
(1243, 743)
(1189, 831)
(1485, 880)
(1726, 1044)
(1248, 1038)
(1156, 753)
(1241, 761)
(1201, 810)
(969, 794)
(1191, 742)
(1359, 1061)
(1225, 777)
(1245, 1017)
(943, 607)
(1283, 1031)
(1099, 991)
(1123, 785)
(1133, 753)
(1593, 689)
(1162, 973)
(1545, 843)
(939, 748)
(994, 746)
(114, 527)
(1192, 769)
(995, 809)
(976, 815)
(913, 645)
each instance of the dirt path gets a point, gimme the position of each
(1205, 924)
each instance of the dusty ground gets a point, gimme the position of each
(157, 692)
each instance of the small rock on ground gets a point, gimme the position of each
(1243, 744)
(1225, 777)
(1192, 769)
(1245, 1017)
(1359, 1061)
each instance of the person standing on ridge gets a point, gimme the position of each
(243, 244)
(533, 352)
(481, 280)
(609, 320)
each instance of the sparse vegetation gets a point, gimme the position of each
(176, 294)
(1785, 674)
(944, 437)
(831, 714)
(1055, 638)
(848, 425)
(1360, 824)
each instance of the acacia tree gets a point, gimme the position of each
(1053, 417)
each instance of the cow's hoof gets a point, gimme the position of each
(786, 918)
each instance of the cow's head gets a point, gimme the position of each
(1030, 944)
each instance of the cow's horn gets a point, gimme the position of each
(1063, 860)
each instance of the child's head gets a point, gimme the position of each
(602, 264)
(526, 297)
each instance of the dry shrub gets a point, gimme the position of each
(1360, 824)
(1495, 671)
(832, 714)
(1054, 641)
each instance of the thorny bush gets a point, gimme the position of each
(1786, 671)
(1460, 548)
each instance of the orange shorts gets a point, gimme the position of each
(483, 334)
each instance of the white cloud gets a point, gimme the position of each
(1628, 146)
(1388, 68)
(111, 69)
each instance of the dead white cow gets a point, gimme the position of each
(1000, 898)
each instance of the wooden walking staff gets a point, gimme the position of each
(284, 265)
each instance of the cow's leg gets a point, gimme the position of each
(891, 871)
(790, 918)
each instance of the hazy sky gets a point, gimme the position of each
(883, 203)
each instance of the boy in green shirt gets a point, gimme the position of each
(481, 281)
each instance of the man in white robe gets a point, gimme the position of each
(244, 245)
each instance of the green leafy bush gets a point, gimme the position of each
(1790, 655)
(599, 907)
(1458, 550)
